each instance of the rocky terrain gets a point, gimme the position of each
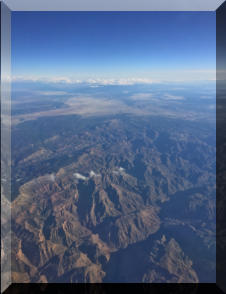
(120, 198)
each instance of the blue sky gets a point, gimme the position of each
(114, 45)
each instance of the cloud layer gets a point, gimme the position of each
(92, 82)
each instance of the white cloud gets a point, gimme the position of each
(212, 106)
(119, 171)
(207, 97)
(52, 93)
(173, 97)
(52, 177)
(141, 96)
(149, 78)
(66, 80)
(93, 174)
(80, 177)
(128, 81)
(49, 177)
(95, 86)
(84, 178)
(93, 82)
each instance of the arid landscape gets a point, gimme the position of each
(113, 198)
(113, 147)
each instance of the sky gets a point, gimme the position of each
(149, 46)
